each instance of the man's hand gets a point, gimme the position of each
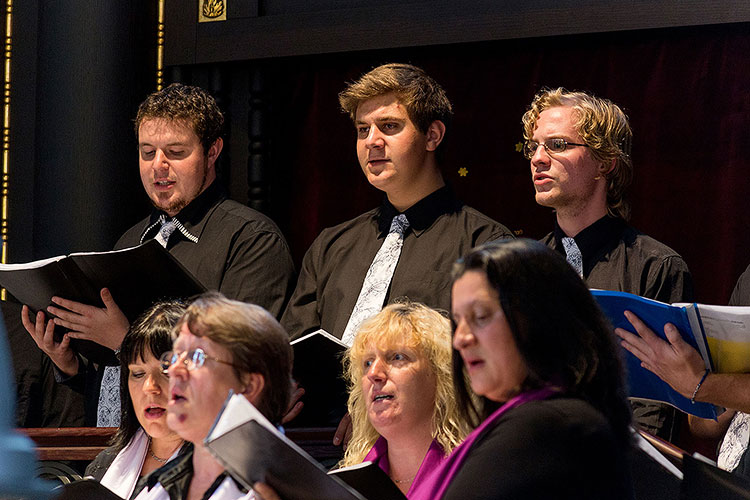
(343, 432)
(43, 334)
(675, 361)
(295, 405)
(106, 325)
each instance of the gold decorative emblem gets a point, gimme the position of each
(212, 10)
(463, 171)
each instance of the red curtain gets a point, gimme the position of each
(686, 91)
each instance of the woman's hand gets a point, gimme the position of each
(265, 492)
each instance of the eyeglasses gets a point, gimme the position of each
(550, 145)
(193, 359)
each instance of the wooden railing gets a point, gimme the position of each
(672, 452)
(84, 443)
(70, 443)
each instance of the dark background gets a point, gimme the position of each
(681, 71)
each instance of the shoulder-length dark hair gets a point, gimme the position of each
(149, 334)
(558, 328)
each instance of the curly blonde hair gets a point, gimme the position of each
(604, 128)
(428, 332)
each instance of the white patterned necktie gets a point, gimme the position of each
(377, 279)
(166, 230)
(573, 254)
(735, 442)
(108, 410)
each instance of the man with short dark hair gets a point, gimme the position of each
(579, 148)
(229, 247)
(407, 246)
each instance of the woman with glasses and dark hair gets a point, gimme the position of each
(143, 443)
(220, 345)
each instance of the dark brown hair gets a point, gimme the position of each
(559, 330)
(184, 103)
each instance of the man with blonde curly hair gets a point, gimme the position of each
(579, 149)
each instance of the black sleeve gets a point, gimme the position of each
(671, 282)
(543, 450)
(260, 271)
(302, 314)
(98, 467)
(741, 294)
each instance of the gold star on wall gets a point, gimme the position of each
(463, 171)
(519, 147)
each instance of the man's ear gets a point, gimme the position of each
(605, 169)
(214, 150)
(435, 134)
(253, 386)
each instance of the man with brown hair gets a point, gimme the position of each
(229, 247)
(405, 247)
(579, 148)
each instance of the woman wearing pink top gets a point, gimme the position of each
(404, 414)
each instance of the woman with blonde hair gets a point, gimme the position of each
(401, 401)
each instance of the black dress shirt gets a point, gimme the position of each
(441, 229)
(741, 293)
(621, 258)
(741, 297)
(229, 247)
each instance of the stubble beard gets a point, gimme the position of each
(177, 205)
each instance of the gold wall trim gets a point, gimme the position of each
(6, 127)
(4, 185)
(212, 10)
(160, 47)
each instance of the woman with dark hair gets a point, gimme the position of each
(220, 345)
(537, 374)
(143, 443)
(551, 419)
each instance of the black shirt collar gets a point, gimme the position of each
(594, 239)
(423, 213)
(191, 219)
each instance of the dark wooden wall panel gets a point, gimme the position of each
(294, 28)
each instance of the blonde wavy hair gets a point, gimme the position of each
(415, 326)
(604, 128)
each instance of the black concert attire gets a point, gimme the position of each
(229, 247)
(618, 257)
(736, 437)
(560, 448)
(441, 229)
